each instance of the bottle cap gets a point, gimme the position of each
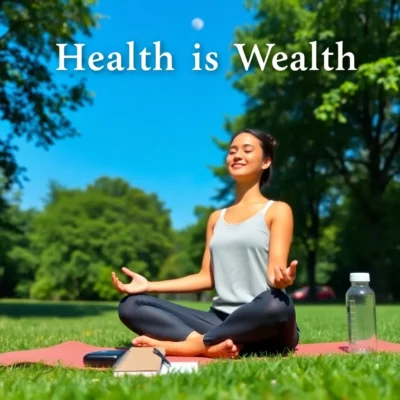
(359, 277)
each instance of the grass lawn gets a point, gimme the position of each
(27, 325)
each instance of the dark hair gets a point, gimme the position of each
(268, 144)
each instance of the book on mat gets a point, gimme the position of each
(140, 361)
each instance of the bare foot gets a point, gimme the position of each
(193, 335)
(191, 347)
(226, 349)
(145, 341)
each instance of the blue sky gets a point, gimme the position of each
(151, 128)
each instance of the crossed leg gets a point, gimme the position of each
(159, 321)
(266, 324)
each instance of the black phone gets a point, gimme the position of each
(103, 358)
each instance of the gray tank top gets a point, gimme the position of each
(239, 256)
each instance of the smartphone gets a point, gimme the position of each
(103, 358)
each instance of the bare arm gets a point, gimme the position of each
(281, 231)
(203, 280)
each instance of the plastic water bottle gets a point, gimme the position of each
(361, 314)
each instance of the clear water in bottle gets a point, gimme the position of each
(361, 314)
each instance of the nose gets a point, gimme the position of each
(237, 156)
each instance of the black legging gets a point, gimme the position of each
(265, 325)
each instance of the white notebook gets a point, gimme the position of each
(180, 367)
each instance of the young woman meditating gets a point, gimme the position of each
(245, 260)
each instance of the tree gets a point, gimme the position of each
(362, 112)
(33, 105)
(338, 129)
(84, 235)
(283, 103)
(17, 263)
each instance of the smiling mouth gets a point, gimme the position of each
(237, 165)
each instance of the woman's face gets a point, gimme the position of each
(245, 159)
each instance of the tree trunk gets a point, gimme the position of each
(311, 263)
(313, 234)
(375, 262)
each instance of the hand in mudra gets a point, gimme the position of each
(284, 277)
(139, 283)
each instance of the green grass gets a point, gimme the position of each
(27, 325)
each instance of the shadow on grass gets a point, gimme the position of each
(59, 310)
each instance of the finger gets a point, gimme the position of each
(285, 277)
(114, 281)
(278, 275)
(128, 272)
(293, 269)
(118, 284)
(121, 287)
(279, 285)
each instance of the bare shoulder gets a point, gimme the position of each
(213, 218)
(280, 210)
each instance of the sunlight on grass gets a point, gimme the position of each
(26, 325)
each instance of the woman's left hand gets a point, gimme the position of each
(284, 277)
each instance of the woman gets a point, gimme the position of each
(245, 258)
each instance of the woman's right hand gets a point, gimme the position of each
(139, 283)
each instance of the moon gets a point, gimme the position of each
(198, 24)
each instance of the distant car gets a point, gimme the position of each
(324, 293)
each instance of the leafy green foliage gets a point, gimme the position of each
(17, 263)
(337, 130)
(33, 105)
(83, 235)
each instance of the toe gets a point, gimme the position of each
(139, 340)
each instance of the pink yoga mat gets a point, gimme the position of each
(70, 354)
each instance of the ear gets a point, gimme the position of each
(266, 163)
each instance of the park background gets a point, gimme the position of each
(104, 169)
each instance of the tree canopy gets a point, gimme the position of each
(82, 235)
(338, 130)
(34, 105)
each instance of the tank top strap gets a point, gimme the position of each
(267, 206)
(220, 219)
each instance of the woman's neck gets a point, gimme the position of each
(247, 193)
